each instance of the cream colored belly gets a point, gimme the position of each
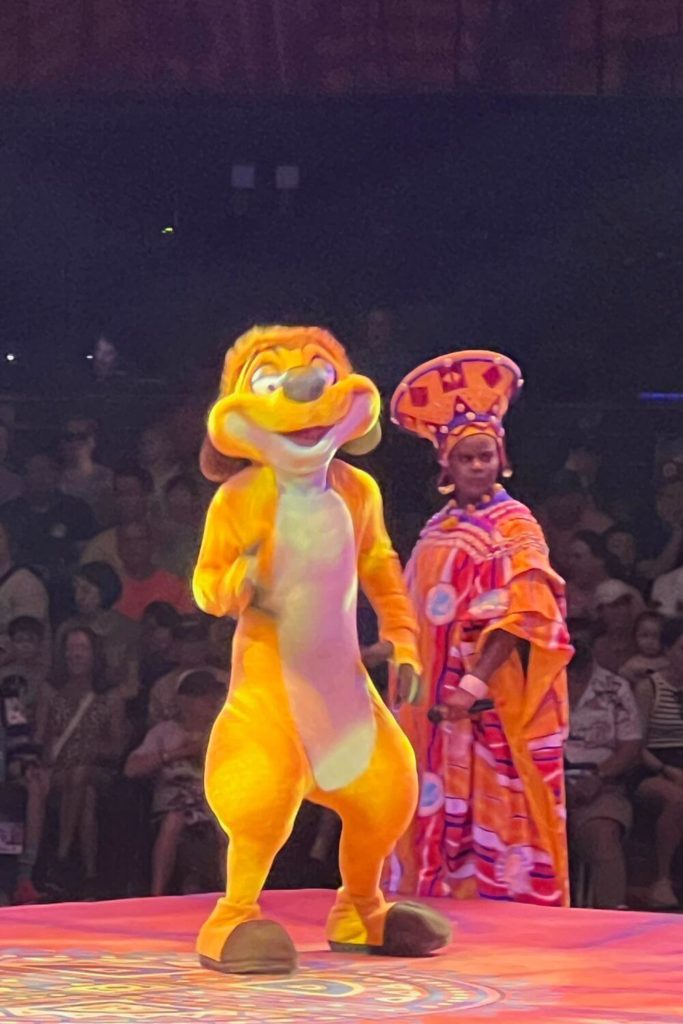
(313, 596)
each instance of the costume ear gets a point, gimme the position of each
(217, 467)
(365, 444)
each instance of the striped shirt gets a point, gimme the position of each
(665, 727)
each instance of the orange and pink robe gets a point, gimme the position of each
(491, 818)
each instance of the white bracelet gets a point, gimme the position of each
(474, 686)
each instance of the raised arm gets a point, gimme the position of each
(221, 581)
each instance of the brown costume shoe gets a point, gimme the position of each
(410, 929)
(255, 947)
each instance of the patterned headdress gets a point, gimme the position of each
(457, 395)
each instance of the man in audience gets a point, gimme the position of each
(132, 493)
(567, 510)
(22, 593)
(605, 736)
(193, 651)
(50, 527)
(143, 581)
(180, 527)
(82, 477)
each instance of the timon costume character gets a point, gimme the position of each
(288, 537)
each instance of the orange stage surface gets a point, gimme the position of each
(132, 960)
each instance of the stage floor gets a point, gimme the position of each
(133, 960)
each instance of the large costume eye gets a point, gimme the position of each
(327, 368)
(265, 380)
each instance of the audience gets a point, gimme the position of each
(82, 477)
(172, 751)
(142, 580)
(660, 789)
(589, 566)
(22, 593)
(193, 653)
(179, 533)
(617, 607)
(649, 656)
(97, 588)
(605, 735)
(132, 495)
(81, 728)
(11, 484)
(156, 455)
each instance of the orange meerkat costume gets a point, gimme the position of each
(286, 542)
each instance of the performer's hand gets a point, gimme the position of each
(460, 703)
(407, 686)
(376, 654)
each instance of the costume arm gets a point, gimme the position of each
(220, 577)
(379, 572)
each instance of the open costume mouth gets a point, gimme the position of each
(308, 437)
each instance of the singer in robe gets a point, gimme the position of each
(491, 815)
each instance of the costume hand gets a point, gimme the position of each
(460, 703)
(407, 685)
(250, 591)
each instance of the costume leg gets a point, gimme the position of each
(256, 777)
(375, 809)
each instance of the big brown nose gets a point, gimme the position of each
(304, 385)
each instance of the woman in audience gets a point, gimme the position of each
(622, 548)
(97, 588)
(81, 729)
(660, 697)
(589, 565)
(649, 657)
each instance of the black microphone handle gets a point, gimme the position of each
(439, 713)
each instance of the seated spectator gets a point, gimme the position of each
(622, 547)
(193, 652)
(50, 528)
(590, 565)
(143, 582)
(665, 536)
(132, 493)
(22, 593)
(667, 594)
(82, 477)
(156, 658)
(221, 633)
(11, 484)
(23, 689)
(585, 460)
(617, 605)
(97, 588)
(605, 735)
(180, 528)
(660, 697)
(156, 455)
(81, 729)
(649, 656)
(173, 751)
(108, 371)
(567, 511)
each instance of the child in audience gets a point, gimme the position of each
(650, 657)
(173, 752)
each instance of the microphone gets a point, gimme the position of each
(442, 713)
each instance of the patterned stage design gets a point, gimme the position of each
(132, 960)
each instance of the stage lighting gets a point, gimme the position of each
(10, 357)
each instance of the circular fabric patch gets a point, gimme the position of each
(431, 795)
(441, 604)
